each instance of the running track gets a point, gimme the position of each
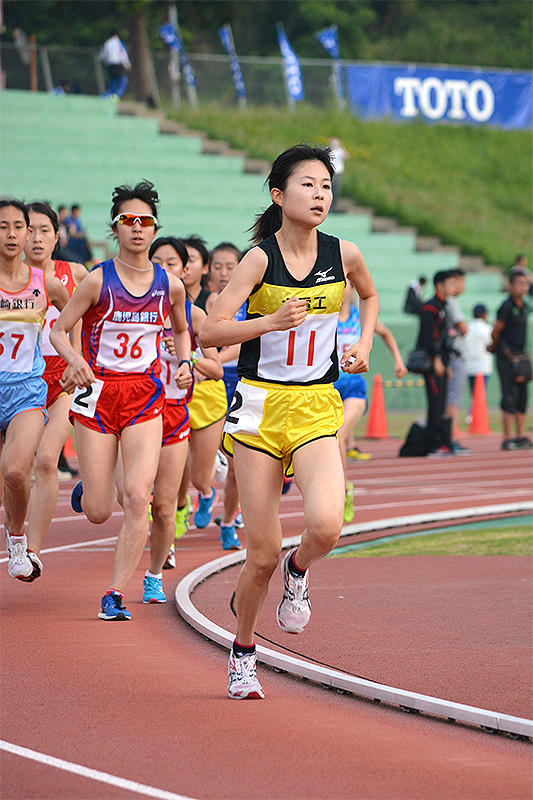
(142, 706)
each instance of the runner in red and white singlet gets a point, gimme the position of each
(123, 304)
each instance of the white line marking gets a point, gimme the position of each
(92, 774)
(336, 678)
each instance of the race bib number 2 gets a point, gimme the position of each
(85, 399)
(246, 411)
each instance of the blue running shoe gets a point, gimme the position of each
(153, 590)
(228, 537)
(75, 498)
(112, 607)
(202, 517)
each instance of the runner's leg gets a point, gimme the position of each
(140, 446)
(259, 479)
(21, 441)
(43, 499)
(165, 499)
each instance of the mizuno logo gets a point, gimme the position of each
(324, 275)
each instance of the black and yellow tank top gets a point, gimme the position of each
(306, 354)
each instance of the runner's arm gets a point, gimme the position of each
(220, 329)
(356, 359)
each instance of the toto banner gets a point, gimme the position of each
(476, 97)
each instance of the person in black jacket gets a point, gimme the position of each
(433, 338)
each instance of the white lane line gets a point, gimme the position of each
(92, 774)
(336, 678)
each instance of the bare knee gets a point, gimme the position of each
(261, 566)
(45, 465)
(14, 476)
(135, 500)
(95, 512)
(325, 530)
(163, 511)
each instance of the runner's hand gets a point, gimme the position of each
(183, 377)
(355, 360)
(82, 374)
(168, 341)
(289, 315)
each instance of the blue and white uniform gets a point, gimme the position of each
(348, 333)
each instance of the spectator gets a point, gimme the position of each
(115, 58)
(433, 338)
(478, 337)
(509, 339)
(414, 299)
(457, 329)
(77, 239)
(520, 265)
(338, 156)
(61, 88)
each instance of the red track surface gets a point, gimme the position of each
(146, 700)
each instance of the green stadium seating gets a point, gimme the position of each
(76, 148)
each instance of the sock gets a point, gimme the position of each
(206, 496)
(149, 574)
(16, 538)
(294, 570)
(182, 508)
(115, 591)
(242, 650)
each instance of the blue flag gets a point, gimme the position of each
(226, 37)
(293, 73)
(329, 39)
(171, 37)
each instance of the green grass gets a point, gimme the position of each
(469, 185)
(495, 540)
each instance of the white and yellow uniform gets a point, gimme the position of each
(285, 397)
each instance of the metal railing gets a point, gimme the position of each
(81, 67)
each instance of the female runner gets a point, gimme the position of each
(171, 255)
(285, 412)
(25, 293)
(44, 234)
(123, 305)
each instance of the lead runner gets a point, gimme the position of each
(285, 414)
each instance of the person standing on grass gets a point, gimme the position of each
(123, 305)
(44, 235)
(25, 293)
(509, 342)
(285, 412)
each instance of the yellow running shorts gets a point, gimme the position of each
(278, 419)
(208, 404)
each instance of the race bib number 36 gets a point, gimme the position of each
(127, 348)
(85, 399)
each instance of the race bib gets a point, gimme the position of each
(17, 345)
(246, 411)
(127, 348)
(85, 399)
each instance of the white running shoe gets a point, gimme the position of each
(243, 683)
(221, 466)
(19, 564)
(294, 611)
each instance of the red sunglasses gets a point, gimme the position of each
(144, 220)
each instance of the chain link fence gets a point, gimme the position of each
(80, 66)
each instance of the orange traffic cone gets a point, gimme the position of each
(377, 418)
(68, 448)
(480, 414)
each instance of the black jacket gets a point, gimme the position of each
(433, 333)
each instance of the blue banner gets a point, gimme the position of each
(226, 37)
(171, 37)
(329, 39)
(470, 97)
(293, 73)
